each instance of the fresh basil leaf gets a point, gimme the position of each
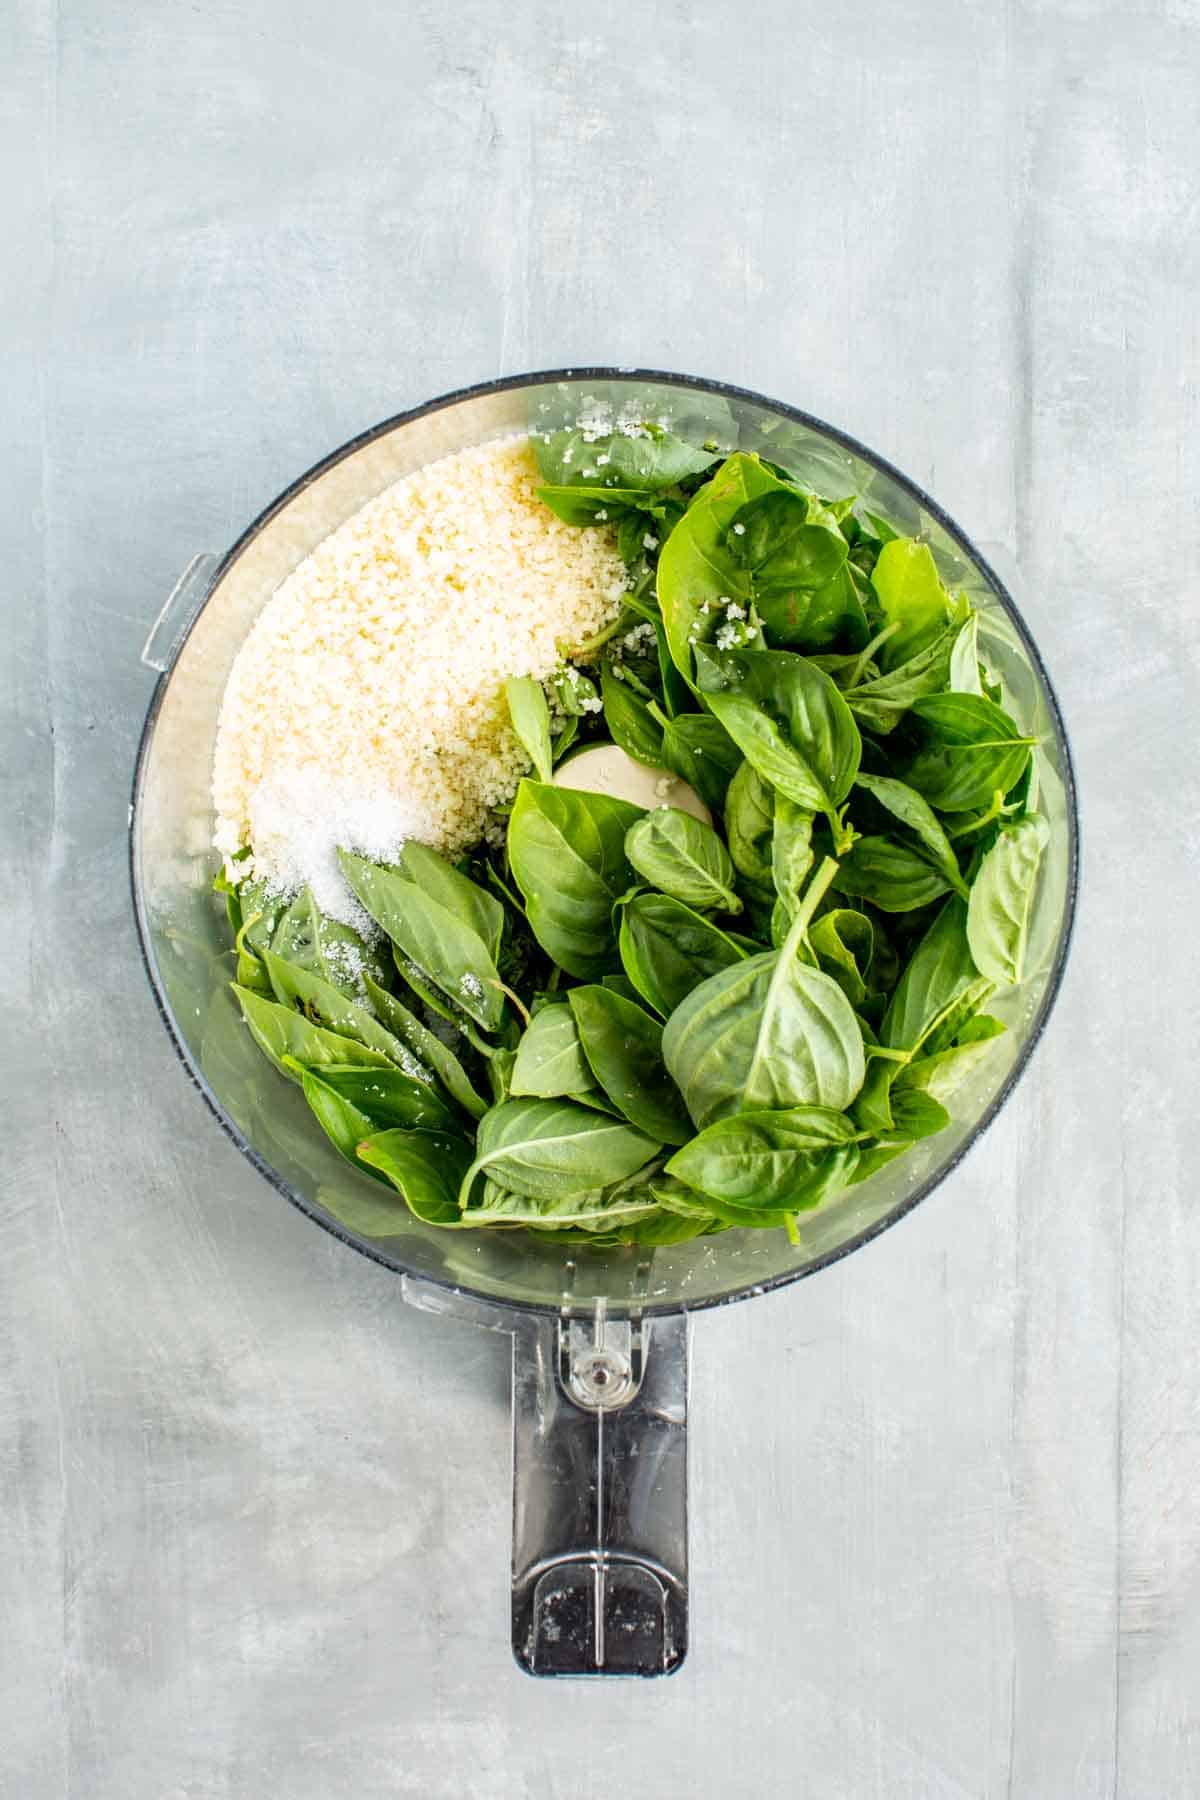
(564, 738)
(426, 1167)
(1022, 798)
(470, 902)
(750, 827)
(624, 1214)
(788, 719)
(221, 884)
(781, 922)
(898, 1116)
(335, 1010)
(826, 615)
(1001, 902)
(424, 1050)
(788, 540)
(667, 949)
(663, 1227)
(567, 852)
(770, 1033)
(499, 1072)
(965, 677)
(873, 1157)
(942, 1074)
(593, 1211)
(790, 1160)
(683, 857)
(593, 505)
(972, 750)
(872, 1105)
(310, 939)
(957, 1021)
(911, 595)
(891, 875)
(916, 1114)
(261, 910)
(389, 1098)
(341, 1121)
(620, 984)
(749, 946)
(630, 722)
(623, 1046)
(846, 668)
(250, 972)
(791, 853)
(698, 749)
(593, 1097)
(440, 941)
(879, 527)
(530, 714)
(881, 701)
(792, 545)
(635, 459)
(552, 1149)
(843, 943)
(697, 575)
(981, 1028)
(574, 692)
(550, 1060)
(435, 1001)
(258, 914)
(940, 977)
(801, 454)
(912, 809)
(281, 1033)
(677, 694)
(753, 1218)
(885, 962)
(637, 537)
(674, 1197)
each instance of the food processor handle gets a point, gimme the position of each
(179, 610)
(599, 1575)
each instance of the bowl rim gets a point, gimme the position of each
(797, 415)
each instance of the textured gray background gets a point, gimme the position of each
(254, 1525)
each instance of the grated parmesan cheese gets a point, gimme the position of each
(366, 705)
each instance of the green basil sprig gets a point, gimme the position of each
(972, 749)
(553, 1149)
(789, 1159)
(567, 853)
(623, 1048)
(1000, 906)
(667, 949)
(772, 1032)
(789, 719)
(683, 857)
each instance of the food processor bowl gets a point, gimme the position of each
(600, 1341)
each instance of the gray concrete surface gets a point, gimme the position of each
(254, 1528)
